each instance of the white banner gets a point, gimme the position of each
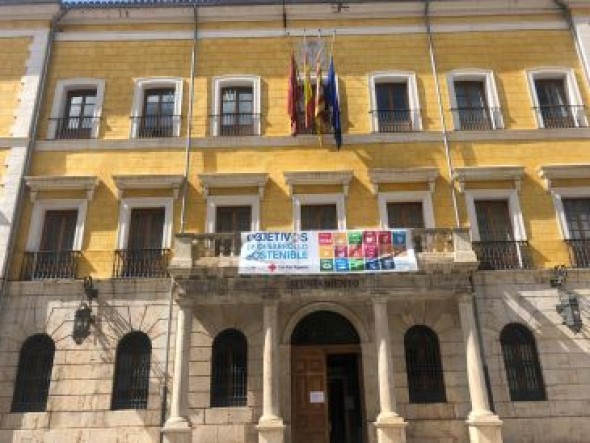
(327, 252)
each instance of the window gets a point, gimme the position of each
(474, 100)
(157, 119)
(157, 108)
(132, 372)
(394, 102)
(497, 229)
(76, 109)
(319, 211)
(319, 217)
(577, 216)
(236, 106)
(229, 369)
(144, 256)
(423, 366)
(55, 239)
(145, 235)
(237, 117)
(406, 209)
(521, 362)
(405, 215)
(231, 220)
(33, 376)
(556, 98)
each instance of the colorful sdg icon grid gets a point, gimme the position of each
(360, 250)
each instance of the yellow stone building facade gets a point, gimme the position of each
(160, 126)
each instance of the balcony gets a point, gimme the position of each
(561, 116)
(155, 126)
(397, 120)
(236, 125)
(476, 119)
(579, 251)
(72, 128)
(142, 263)
(502, 255)
(436, 250)
(50, 264)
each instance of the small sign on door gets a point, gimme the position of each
(316, 397)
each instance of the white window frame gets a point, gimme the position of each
(574, 98)
(215, 201)
(423, 197)
(235, 80)
(41, 207)
(60, 97)
(488, 79)
(144, 84)
(319, 199)
(515, 212)
(558, 195)
(409, 78)
(128, 204)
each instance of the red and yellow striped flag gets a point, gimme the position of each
(308, 94)
(320, 105)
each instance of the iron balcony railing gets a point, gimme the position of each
(561, 116)
(50, 264)
(477, 118)
(71, 128)
(311, 130)
(236, 124)
(145, 263)
(154, 126)
(579, 251)
(395, 120)
(499, 255)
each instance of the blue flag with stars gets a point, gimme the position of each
(333, 104)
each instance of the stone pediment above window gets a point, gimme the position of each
(488, 173)
(233, 180)
(62, 183)
(403, 175)
(148, 181)
(549, 173)
(338, 178)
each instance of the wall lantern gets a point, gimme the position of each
(83, 318)
(568, 306)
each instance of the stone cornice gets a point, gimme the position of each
(234, 180)
(342, 178)
(62, 183)
(403, 175)
(563, 171)
(488, 173)
(148, 181)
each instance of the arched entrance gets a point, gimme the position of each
(326, 380)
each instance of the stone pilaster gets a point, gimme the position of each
(391, 428)
(177, 428)
(484, 425)
(270, 426)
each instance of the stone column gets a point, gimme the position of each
(270, 426)
(177, 428)
(391, 428)
(484, 425)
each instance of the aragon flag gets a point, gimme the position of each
(292, 98)
(320, 105)
(308, 94)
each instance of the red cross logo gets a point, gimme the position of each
(272, 267)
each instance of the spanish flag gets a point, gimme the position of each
(320, 105)
(308, 94)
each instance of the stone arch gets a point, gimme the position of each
(304, 311)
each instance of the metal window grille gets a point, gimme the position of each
(34, 374)
(132, 372)
(229, 369)
(145, 263)
(423, 366)
(523, 370)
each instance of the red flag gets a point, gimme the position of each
(292, 98)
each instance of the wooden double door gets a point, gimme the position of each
(327, 394)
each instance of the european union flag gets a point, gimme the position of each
(332, 101)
